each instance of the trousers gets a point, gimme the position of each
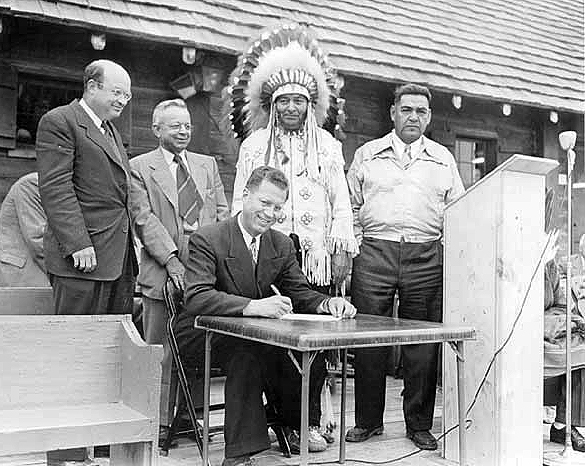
(252, 369)
(415, 271)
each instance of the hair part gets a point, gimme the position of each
(162, 106)
(411, 89)
(266, 173)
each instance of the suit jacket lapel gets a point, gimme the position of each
(94, 134)
(239, 262)
(161, 174)
(267, 269)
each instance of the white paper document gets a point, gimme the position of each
(311, 317)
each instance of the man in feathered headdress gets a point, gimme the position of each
(281, 95)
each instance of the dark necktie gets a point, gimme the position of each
(190, 201)
(110, 138)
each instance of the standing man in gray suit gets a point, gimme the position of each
(174, 192)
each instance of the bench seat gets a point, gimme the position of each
(54, 427)
(78, 381)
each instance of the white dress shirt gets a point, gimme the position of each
(96, 119)
(247, 236)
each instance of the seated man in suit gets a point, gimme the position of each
(230, 270)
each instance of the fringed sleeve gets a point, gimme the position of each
(248, 160)
(340, 237)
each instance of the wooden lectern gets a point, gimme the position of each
(494, 236)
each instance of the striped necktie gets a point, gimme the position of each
(190, 201)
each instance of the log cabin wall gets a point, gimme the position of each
(55, 55)
(44, 52)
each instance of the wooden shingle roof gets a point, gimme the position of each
(527, 51)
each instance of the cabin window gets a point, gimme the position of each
(36, 96)
(475, 158)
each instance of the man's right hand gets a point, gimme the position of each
(273, 307)
(85, 259)
(176, 272)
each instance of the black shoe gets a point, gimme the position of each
(358, 434)
(558, 436)
(423, 439)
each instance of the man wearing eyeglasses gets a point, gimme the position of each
(174, 192)
(84, 181)
(399, 186)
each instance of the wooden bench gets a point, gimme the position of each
(77, 381)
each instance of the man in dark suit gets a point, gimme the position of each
(84, 181)
(163, 227)
(230, 270)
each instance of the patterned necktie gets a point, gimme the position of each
(254, 250)
(190, 201)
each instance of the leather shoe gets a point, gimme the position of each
(423, 439)
(558, 436)
(358, 434)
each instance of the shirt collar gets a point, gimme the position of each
(170, 157)
(398, 145)
(96, 119)
(421, 147)
(247, 236)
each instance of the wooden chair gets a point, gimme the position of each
(78, 381)
(174, 302)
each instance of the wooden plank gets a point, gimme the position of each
(59, 360)
(29, 459)
(60, 426)
(26, 300)
(57, 417)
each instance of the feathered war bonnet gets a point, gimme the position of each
(285, 60)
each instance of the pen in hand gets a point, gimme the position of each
(277, 293)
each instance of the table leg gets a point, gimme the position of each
(343, 392)
(304, 433)
(461, 402)
(206, 388)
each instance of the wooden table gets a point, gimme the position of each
(310, 337)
